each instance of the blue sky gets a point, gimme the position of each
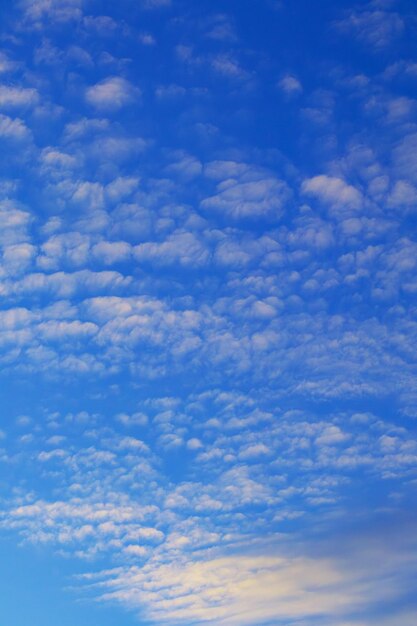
(208, 315)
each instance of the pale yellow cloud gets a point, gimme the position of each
(237, 591)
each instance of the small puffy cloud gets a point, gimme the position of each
(17, 97)
(221, 170)
(266, 197)
(61, 330)
(131, 222)
(222, 29)
(331, 435)
(72, 248)
(103, 25)
(290, 85)
(23, 420)
(88, 195)
(230, 253)
(184, 166)
(170, 441)
(136, 551)
(131, 443)
(404, 157)
(255, 451)
(146, 39)
(183, 248)
(401, 68)
(228, 67)
(111, 94)
(121, 187)
(375, 28)
(333, 192)
(6, 65)
(403, 195)
(134, 419)
(17, 258)
(38, 12)
(145, 533)
(54, 157)
(14, 223)
(14, 319)
(110, 252)
(55, 162)
(399, 109)
(13, 129)
(74, 131)
(66, 284)
(79, 56)
(194, 444)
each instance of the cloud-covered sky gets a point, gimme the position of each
(208, 327)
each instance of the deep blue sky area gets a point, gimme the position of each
(208, 261)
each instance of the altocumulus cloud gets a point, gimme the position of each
(207, 330)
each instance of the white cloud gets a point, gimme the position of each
(180, 247)
(146, 39)
(331, 435)
(14, 223)
(111, 94)
(135, 419)
(136, 551)
(226, 281)
(7, 65)
(65, 284)
(194, 444)
(223, 170)
(61, 330)
(53, 158)
(403, 195)
(334, 192)
(85, 126)
(116, 149)
(246, 590)
(17, 97)
(18, 257)
(404, 157)
(38, 13)
(266, 197)
(121, 187)
(290, 85)
(229, 67)
(232, 254)
(185, 166)
(110, 252)
(255, 451)
(88, 194)
(222, 29)
(376, 28)
(14, 129)
(72, 248)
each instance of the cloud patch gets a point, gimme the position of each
(112, 94)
